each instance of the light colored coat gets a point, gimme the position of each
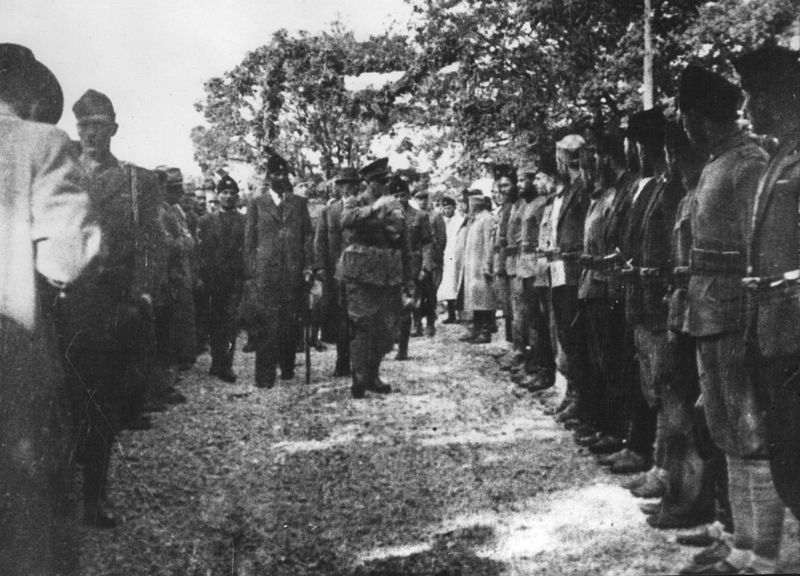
(478, 256)
(42, 217)
(453, 269)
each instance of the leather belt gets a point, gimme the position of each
(714, 262)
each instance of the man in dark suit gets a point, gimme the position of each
(106, 318)
(278, 253)
(329, 241)
(220, 237)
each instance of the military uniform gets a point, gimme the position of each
(513, 237)
(105, 325)
(374, 267)
(429, 286)
(502, 283)
(329, 241)
(176, 313)
(220, 239)
(532, 272)
(418, 228)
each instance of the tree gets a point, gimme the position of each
(289, 97)
(521, 73)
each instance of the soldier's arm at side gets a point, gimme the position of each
(65, 240)
(488, 232)
(147, 273)
(427, 244)
(321, 241)
(250, 239)
(746, 177)
(308, 241)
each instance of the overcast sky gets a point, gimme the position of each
(152, 57)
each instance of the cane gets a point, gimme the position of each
(307, 331)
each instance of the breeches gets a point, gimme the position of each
(735, 408)
(779, 376)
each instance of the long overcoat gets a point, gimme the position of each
(453, 269)
(478, 257)
(278, 250)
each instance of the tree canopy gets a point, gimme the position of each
(499, 77)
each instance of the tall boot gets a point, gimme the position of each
(509, 322)
(359, 366)
(405, 333)
(451, 313)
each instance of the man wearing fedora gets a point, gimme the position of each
(46, 243)
(278, 254)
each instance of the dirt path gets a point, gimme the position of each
(456, 473)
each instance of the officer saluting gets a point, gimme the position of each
(374, 267)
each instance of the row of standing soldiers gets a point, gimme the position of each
(661, 276)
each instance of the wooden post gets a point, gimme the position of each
(647, 84)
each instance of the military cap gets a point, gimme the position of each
(448, 200)
(277, 163)
(227, 183)
(173, 176)
(767, 68)
(94, 103)
(708, 93)
(422, 194)
(376, 170)
(646, 125)
(346, 175)
(23, 77)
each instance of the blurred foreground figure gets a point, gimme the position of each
(44, 242)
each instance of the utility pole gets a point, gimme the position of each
(647, 84)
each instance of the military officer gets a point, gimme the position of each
(278, 253)
(329, 241)
(220, 237)
(432, 278)
(375, 266)
(418, 227)
(176, 313)
(770, 78)
(106, 318)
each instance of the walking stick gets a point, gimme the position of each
(307, 335)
